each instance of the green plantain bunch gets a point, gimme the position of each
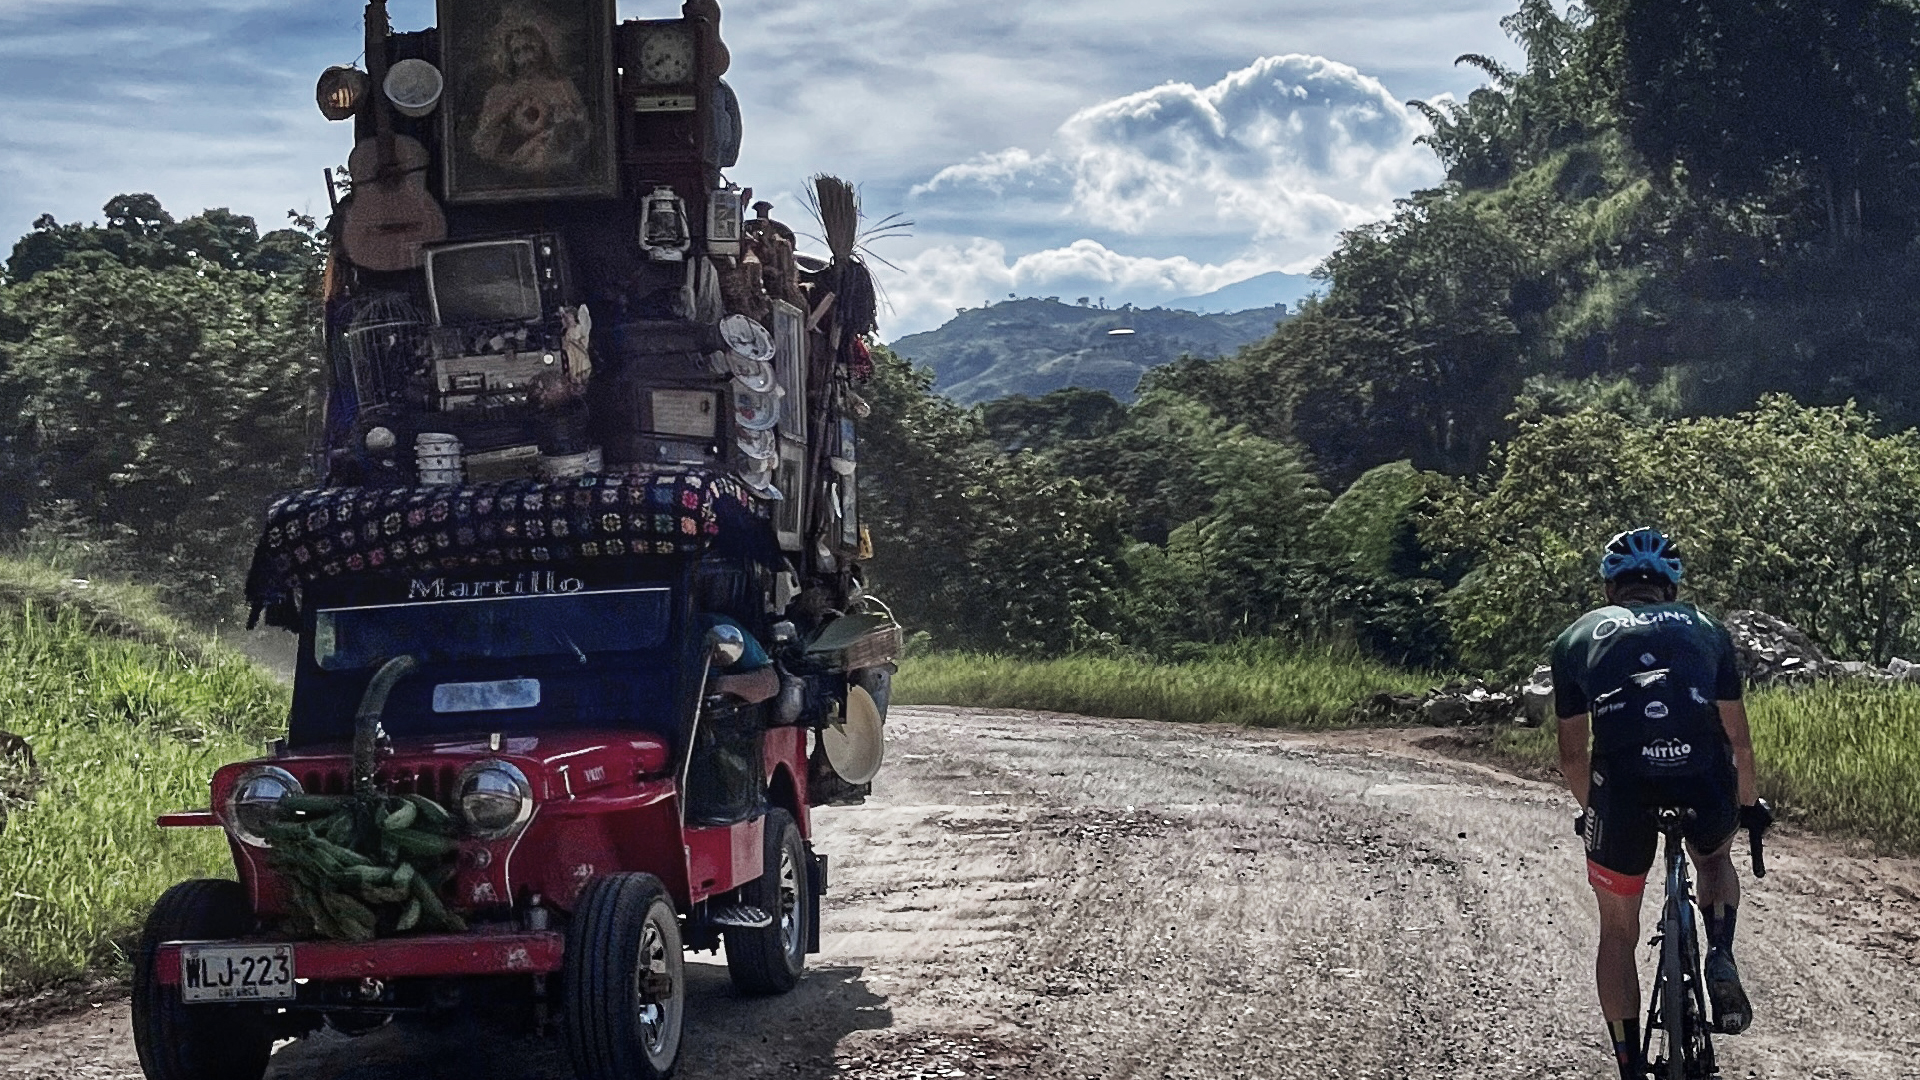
(363, 866)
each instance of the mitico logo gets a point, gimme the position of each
(1667, 752)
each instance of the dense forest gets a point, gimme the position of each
(1667, 281)
(1035, 346)
(158, 380)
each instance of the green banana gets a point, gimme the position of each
(345, 856)
(356, 920)
(356, 866)
(417, 844)
(432, 911)
(432, 814)
(400, 818)
(339, 829)
(310, 906)
(288, 832)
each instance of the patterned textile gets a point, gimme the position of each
(330, 532)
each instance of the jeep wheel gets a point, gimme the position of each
(177, 1041)
(769, 960)
(626, 992)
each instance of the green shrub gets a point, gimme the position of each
(1802, 512)
(1377, 581)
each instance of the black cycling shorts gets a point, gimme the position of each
(1622, 836)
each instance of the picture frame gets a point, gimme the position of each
(790, 516)
(790, 365)
(529, 111)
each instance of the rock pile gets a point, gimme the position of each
(1457, 704)
(1770, 650)
(1773, 650)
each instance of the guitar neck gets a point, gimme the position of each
(379, 26)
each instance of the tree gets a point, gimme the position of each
(139, 232)
(1522, 118)
(1416, 351)
(983, 549)
(1019, 422)
(167, 403)
(1746, 96)
(1806, 513)
(1238, 567)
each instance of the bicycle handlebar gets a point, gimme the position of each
(1756, 841)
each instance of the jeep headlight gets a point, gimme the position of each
(494, 798)
(254, 806)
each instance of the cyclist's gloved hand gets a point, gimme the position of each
(1580, 825)
(1757, 818)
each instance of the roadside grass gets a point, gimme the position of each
(1839, 757)
(127, 715)
(1259, 684)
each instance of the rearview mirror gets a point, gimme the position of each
(726, 645)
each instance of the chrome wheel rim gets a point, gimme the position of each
(656, 1017)
(790, 902)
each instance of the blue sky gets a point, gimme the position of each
(1136, 151)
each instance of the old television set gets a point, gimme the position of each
(518, 279)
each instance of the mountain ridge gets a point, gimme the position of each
(1264, 291)
(1034, 346)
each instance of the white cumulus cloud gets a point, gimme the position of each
(1290, 148)
(1012, 168)
(1174, 191)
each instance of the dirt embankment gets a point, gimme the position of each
(1043, 896)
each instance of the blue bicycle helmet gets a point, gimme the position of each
(1641, 550)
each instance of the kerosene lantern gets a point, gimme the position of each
(663, 226)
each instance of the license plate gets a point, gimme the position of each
(212, 973)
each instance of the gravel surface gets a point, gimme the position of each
(1030, 895)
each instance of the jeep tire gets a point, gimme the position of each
(177, 1041)
(769, 959)
(626, 990)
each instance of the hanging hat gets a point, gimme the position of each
(760, 482)
(758, 445)
(755, 375)
(756, 410)
(746, 337)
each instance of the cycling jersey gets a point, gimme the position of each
(1650, 677)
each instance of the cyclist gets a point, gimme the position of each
(1655, 681)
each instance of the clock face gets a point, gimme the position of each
(666, 57)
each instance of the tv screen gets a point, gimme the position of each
(497, 281)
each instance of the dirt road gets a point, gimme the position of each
(1040, 896)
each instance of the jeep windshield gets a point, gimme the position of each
(603, 658)
(577, 626)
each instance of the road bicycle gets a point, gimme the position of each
(1679, 1003)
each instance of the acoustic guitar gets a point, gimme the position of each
(392, 215)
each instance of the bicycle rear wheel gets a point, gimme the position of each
(1671, 985)
(1698, 1033)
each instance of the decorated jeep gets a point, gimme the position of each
(582, 632)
